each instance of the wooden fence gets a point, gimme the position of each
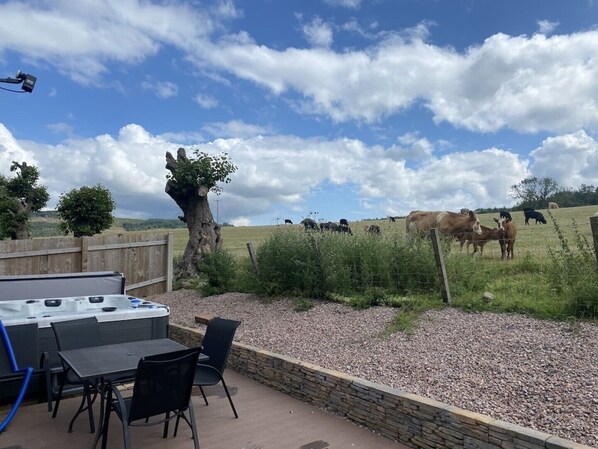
(144, 259)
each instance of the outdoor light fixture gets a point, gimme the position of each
(27, 80)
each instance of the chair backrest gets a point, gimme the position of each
(24, 340)
(77, 334)
(218, 340)
(163, 383)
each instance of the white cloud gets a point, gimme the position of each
(234, 128)
(571, 159)
(546, 26)
(283, 171)
(525, 83)
(162, 89)
(206, 101)
(318, 33)
(351, 4)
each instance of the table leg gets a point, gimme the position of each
(102, 387)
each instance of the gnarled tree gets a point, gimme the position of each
(188, 184)
(19, 196)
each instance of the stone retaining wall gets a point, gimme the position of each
(413, 420)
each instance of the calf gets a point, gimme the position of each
(507, 239)
(287, 221)
(533, 215)
(374, 229)
(330, 226)
(505, 214)
(309, 224)
(481, 239)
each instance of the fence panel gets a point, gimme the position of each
(145, 259)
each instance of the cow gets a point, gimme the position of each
(480, 240)
(464, 211)
(507, 239)
(344, 229)
(308, 224)
(343, 222)
(373, 229)
(330, 226)
(449, 224)
(391, 219)
(505, 214)
(553, 206)
(287, 221)
(533, 215)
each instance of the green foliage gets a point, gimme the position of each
(534, 192)
(572, 272)
(19, 197)
(220, 269)
(203, 170)
(318, 265)
(86, 211)
(303, 305)
(152, 223)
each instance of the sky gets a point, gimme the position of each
(329, 108)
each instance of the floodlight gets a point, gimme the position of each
(28, 81)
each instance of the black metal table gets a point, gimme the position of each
(101, 362)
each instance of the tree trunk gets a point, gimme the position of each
(204, 232)
(22, 230)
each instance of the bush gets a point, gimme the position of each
(220, 269)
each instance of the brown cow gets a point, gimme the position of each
(449, 224)
(479, 240)
(507, 240)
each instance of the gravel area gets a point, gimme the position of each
(538, 374)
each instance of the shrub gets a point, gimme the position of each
(220, 268)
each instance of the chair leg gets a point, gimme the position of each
(166, 421)
(193, 426)
(204, 395)
(59, 397)
(229, 398)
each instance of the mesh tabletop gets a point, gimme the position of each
(101, 361)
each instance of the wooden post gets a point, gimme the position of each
(84, 254)
(594, 226)
(253, 257)
(442, 277)
(169, 257)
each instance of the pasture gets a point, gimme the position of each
(533, 240)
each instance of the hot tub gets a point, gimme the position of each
(122, 318)
(106, 308)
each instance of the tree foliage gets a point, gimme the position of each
(204, 170)
(534, 192)
(86, 211)
(19, 197)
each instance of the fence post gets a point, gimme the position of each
(442, 277)
(84, 254)
(169, 263)
(594, 226)
(253, 257)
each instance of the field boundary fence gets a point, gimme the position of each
(145, 259)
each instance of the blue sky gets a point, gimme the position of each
(347, 108)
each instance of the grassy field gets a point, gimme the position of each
(532, 239)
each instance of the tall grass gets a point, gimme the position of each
(319, 265)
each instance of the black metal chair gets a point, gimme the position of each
(12, 372)
(216, 344)
(162, 388)
(76, 334)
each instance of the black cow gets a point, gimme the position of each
(392, 219)
(345, 229)
(308, 223)
(344, 222)
(287, 221)
(330, 226)
(506, 215)
(533, 215)
(374, 229)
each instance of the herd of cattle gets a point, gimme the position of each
(463, 226)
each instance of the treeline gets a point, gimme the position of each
(152, 223)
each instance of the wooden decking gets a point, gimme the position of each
(267, 420)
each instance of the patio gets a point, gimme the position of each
(267, 419)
